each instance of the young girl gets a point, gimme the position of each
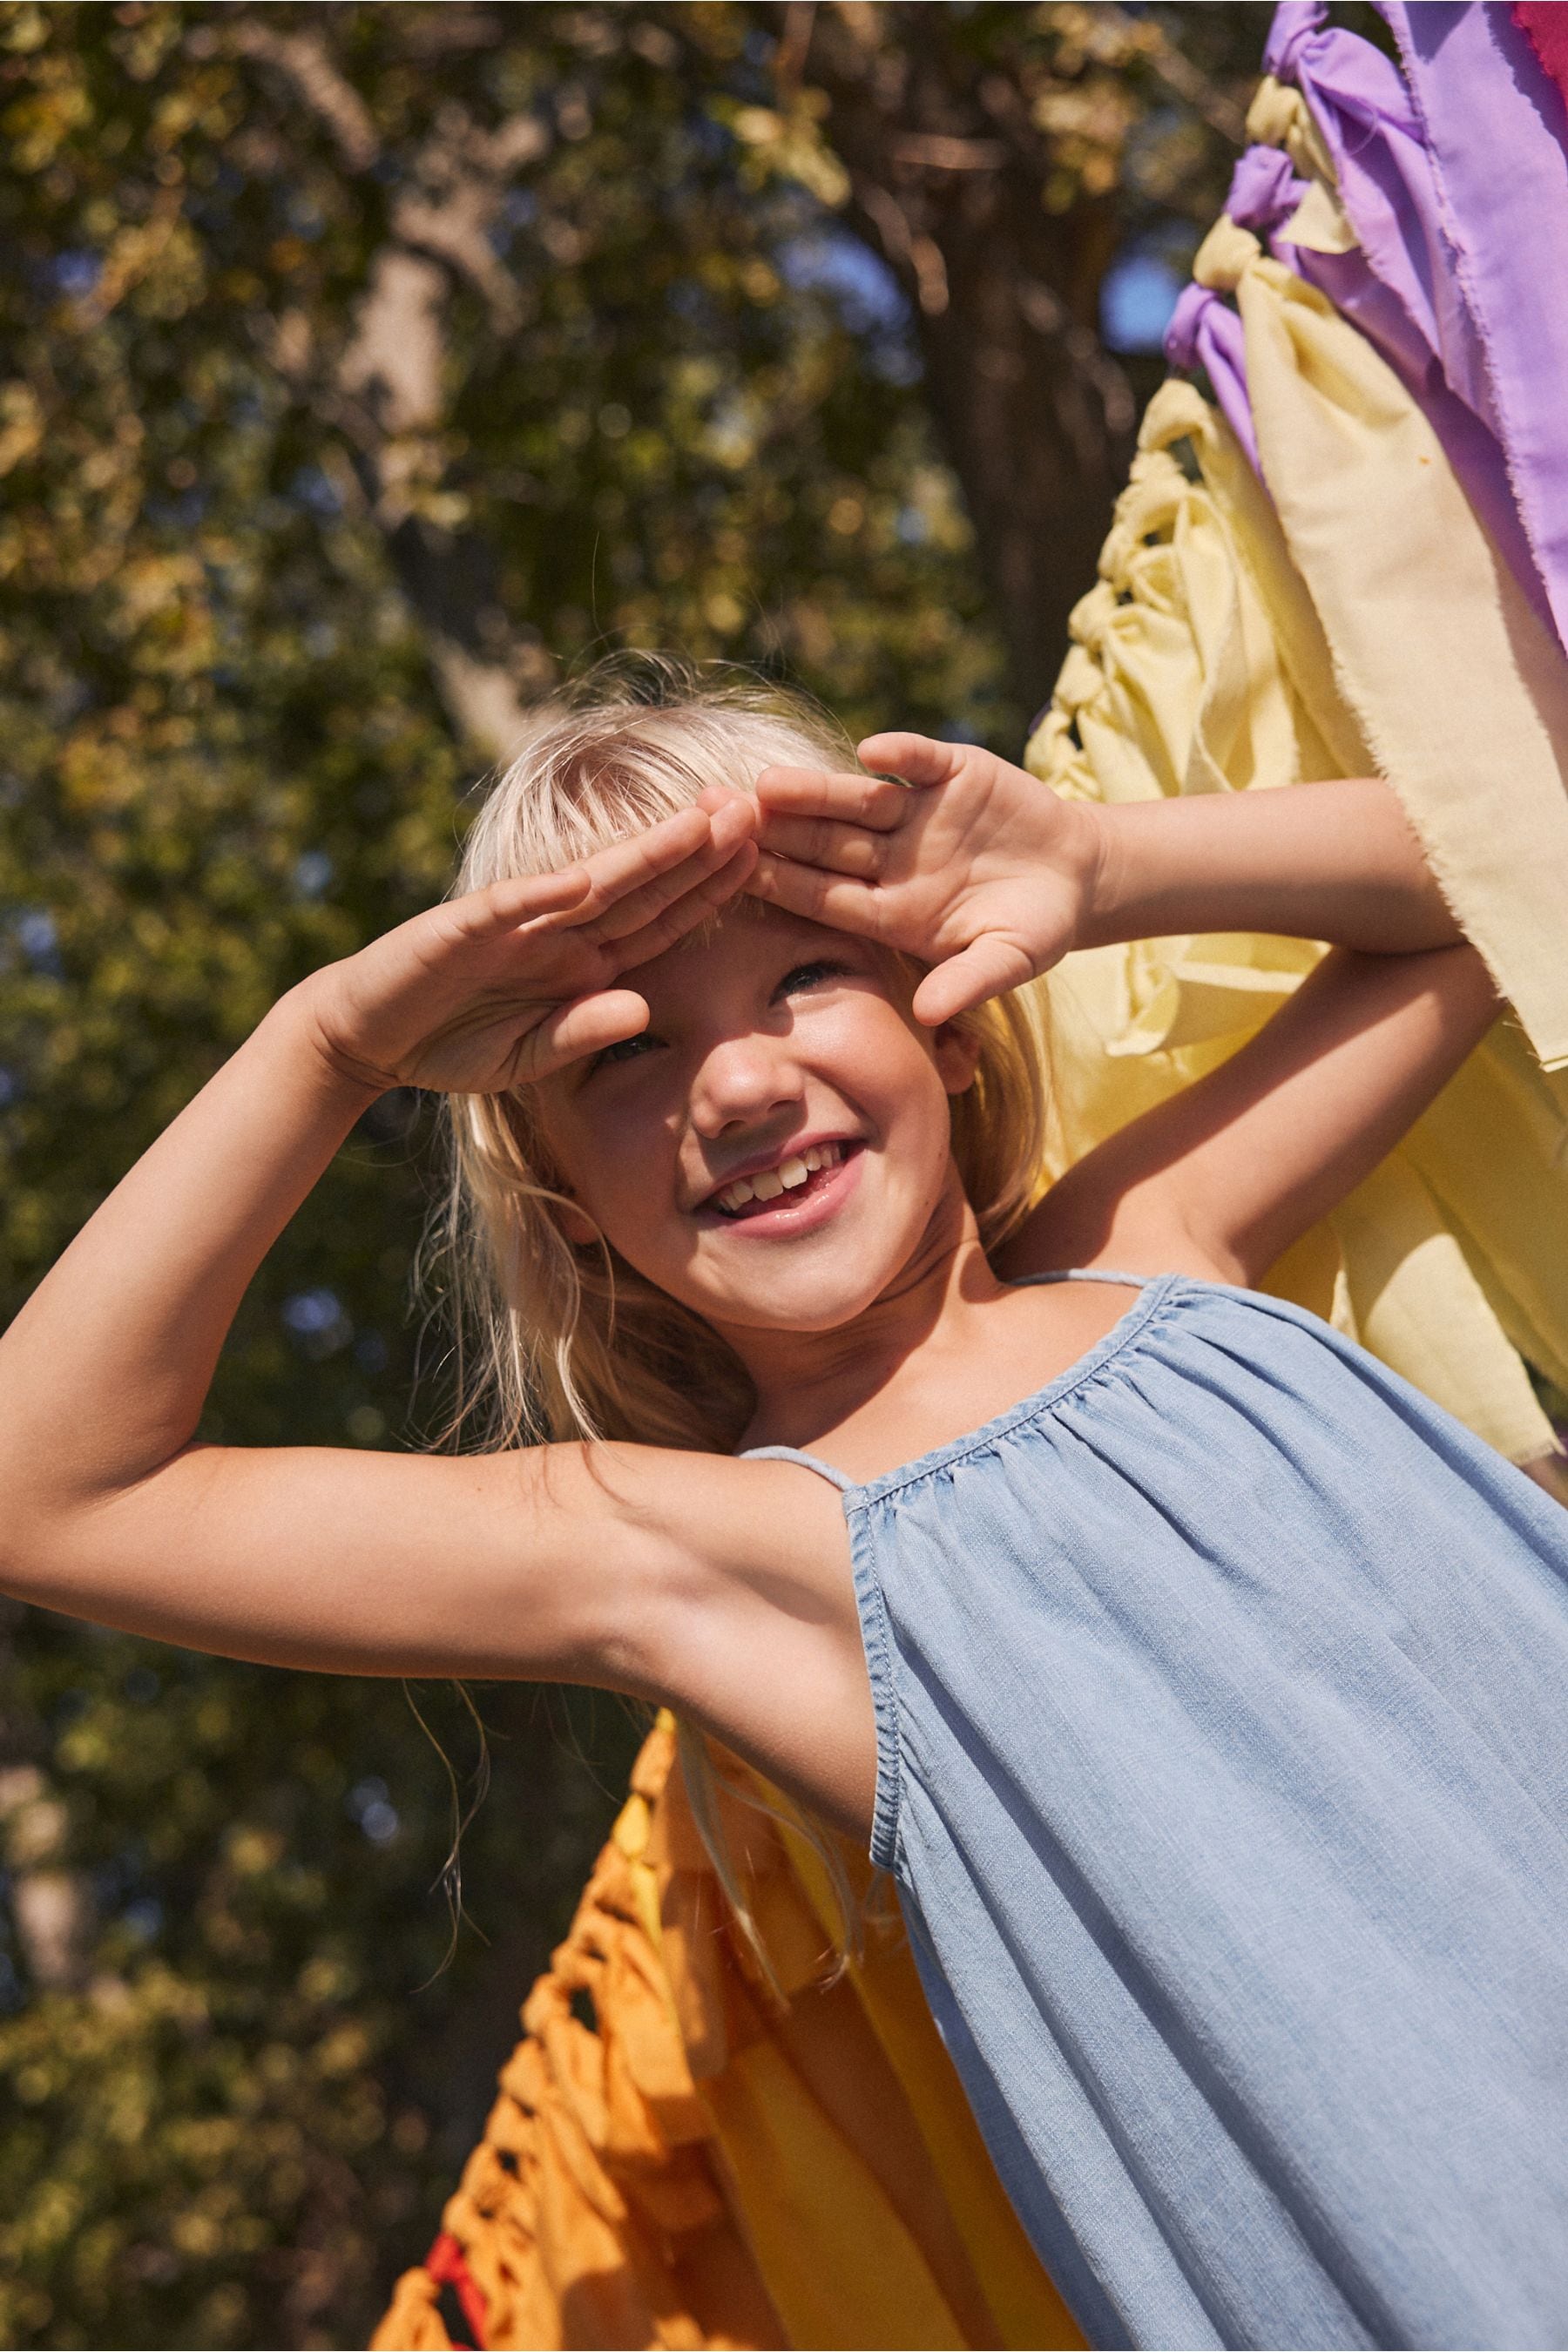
(1201, 1684)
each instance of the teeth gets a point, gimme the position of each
(768, 1183)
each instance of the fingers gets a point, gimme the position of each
(870, 801)
(918, 759)
(581, 895)
(521, 899)
(632, 897)
(634, 882)
(714, 797)
(839, 823)
(705, 895)
(987, 968)
(823, 896)
(642, 860)
(588, 1024)
(851, 849)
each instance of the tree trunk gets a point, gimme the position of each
(947, 170)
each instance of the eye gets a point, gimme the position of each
(808, 975)
(625, 1049)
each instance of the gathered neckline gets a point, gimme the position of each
(1156, 1293)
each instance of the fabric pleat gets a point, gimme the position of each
(696, 2162)
(1481, 97)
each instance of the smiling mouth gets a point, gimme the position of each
(796, 1178)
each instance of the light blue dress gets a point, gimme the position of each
(1221, 1706)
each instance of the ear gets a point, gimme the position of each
(956, 1052)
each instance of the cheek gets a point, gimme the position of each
(616, 1161)
(887, 1066)
(881, 1067)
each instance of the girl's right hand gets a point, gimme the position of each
(504, 986)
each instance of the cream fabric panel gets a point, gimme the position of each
(1200, 662)
(1456, 684)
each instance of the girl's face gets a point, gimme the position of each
(774, 1147)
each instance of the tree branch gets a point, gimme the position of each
(302, 59)
(385, 391)
(1180, 76)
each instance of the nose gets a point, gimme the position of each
(741, 1081)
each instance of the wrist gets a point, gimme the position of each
(303, 1018)
(1095, 860)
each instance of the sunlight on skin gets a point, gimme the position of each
(767, 1033)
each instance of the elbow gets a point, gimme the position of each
(35, 1548)
(52, 1543)
(40, 1538)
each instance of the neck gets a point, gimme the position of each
(808, 1382)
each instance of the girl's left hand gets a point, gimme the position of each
(972, 866)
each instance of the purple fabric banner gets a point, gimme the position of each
(1373, 131)
(1205, 333)
(1403, 288)
(1264, 192)
(1492, 123)
(1455, 186)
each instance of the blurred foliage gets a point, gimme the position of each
(680, 404)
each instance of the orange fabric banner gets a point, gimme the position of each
(680, 2157)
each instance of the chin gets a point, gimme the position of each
(802, 1306)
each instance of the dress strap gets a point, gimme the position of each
(1090, 1273)
(806, 1461)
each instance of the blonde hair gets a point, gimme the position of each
(558, 1339)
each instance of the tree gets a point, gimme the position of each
(1002, 160)
(363, 365)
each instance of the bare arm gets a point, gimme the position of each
(1220, 1180)
(379, 1563)
(979, 869)
(1334, 861)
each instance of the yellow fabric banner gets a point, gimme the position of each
(1199, 663)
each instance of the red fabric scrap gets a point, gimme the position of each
(1545, 26)
(447, 2266)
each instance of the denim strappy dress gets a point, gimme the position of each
(1222, 1705)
